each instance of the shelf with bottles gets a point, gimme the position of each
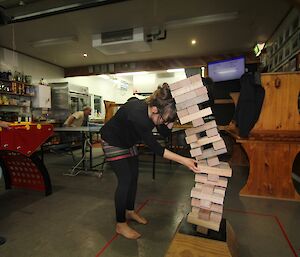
(13, 100)
(16, 88)
(23, 111)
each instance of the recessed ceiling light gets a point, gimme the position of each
(85, 55)
(193, 41)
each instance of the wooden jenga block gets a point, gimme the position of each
(204, 214)
(208, 140)
(198, 122)
(192, 138)
(213, 177)
(199, 185)
(213, 161)
(200, 203)
(196, 151)
(219, 190)
(196, 206)
(202, 178)
(191, 94)
(193, 101)
(192, 109)
(214, 198)
(195, 78)
(212, 132)
(204, 112)
(219, 144)
(192, 218)
(186, 89)
(223, 169)
(216, 217)
(205, 204)
(182, 113)
(204, 127)
(208, 189)
(207, 153)
(194, 145)
(179, 84)
(202, 230)
(205, 188)
(195, 209)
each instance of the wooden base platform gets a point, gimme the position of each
(187, 242)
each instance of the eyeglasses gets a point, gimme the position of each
(164, 121)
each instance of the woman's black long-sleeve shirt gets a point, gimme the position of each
(131, 125)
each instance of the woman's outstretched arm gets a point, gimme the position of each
(188, 162)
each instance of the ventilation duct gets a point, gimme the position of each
(121, 42)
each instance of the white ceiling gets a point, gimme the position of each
(256, 21)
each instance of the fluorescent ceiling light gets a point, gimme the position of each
(175, 70)
(62, 8)
(132, 73)
(201, 20)
(54, 41)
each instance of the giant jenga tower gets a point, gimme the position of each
(206, 144)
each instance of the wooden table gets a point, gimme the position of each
(86, 143)
(271, 158)
(274, 141)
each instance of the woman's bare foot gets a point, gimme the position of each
(132, 215)
(126, 231)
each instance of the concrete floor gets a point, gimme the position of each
(78, 218)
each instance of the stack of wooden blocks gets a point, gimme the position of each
(206, 144)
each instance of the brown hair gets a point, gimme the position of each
(162, 99)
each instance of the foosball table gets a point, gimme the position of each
(19, 159)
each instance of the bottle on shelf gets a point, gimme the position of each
(9, 75)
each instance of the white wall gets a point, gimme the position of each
(108, 89)
(148, 83)
(12, 61)
(102, 87)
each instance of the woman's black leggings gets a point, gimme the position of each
(127, 171)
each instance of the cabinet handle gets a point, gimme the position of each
(277, 83)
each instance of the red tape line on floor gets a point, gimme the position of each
(232, 210)
(117, 235)
(277, 221)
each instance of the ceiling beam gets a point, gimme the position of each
(152, 65)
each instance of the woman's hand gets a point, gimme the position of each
(170, 125)
(188, 162)
(191, 164)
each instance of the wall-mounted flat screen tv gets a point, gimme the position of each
(226, 69)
